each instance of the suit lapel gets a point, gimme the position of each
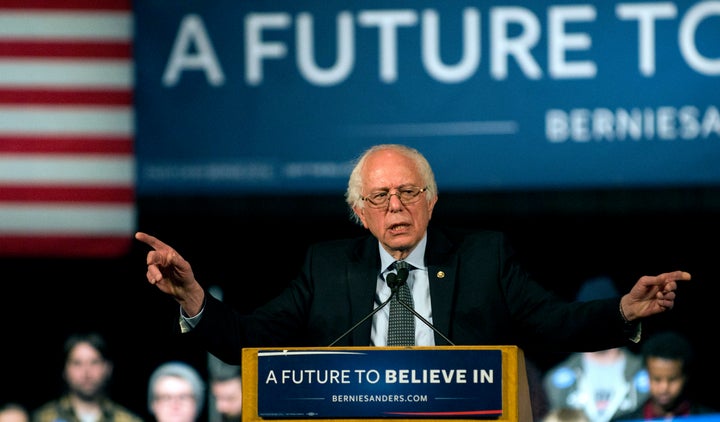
(362, 272)
(362, 281)
(442, 273)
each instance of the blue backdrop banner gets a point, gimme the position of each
(279, 97)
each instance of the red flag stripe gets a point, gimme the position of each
(51, 96)
(105, 194)
(67, 4)
(75, 49)
(67, 144)
(65, 246)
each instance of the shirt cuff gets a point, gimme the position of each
(632, 329)
(188, 323)
(634, 332)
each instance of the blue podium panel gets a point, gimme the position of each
(434, 384)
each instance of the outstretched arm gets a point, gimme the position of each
(651, 295)
(172, 274)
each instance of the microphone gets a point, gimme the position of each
(403, 272)
(394, 281)
(391, 280)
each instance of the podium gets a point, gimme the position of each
(353, 384)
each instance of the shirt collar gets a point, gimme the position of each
(416, 257)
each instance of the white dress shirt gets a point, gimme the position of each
(419, 286)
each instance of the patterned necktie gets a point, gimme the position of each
(401, 328)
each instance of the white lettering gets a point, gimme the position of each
(345, 51)
(663, 123)
(502, 46)
(255, 49)
(470, 61)
(271, 378)
(514, 37)
(315, 376)
(192, 33)
(646, 14)
(426, 376)
(688, 28)
(387, 22)
(560, 42)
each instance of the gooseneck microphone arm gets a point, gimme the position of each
(426, 322)
(394, 285)
(394, 282)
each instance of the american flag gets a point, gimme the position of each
(67, 168)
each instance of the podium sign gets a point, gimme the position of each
(379, 383)
(356, 384)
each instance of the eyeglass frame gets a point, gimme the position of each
(181, 397)
(398, 193)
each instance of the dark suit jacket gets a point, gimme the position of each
(480, 295)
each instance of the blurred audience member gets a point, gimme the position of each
(87, 372)
(176, 393)
(604, 384)
(668, 357)
(226, 390)
(566, 414)
(13, 412)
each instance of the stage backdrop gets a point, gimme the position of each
(103, 102)
(263, 96)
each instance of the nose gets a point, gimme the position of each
(397, 203)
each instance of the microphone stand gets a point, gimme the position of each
(393, 292)
(394, 282)
(426, 322)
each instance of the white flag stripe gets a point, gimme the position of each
(18, 73)
(35, 169)
(92, 26)
(56, 66)
(51, 219)
(67, 120)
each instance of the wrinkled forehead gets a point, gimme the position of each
(390, 169)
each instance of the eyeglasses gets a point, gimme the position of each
(167, 398)
(406, 194)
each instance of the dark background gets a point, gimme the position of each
(564, 237)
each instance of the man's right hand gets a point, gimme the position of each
(172, 274)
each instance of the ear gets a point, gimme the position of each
(431, 206)
(360, 212)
